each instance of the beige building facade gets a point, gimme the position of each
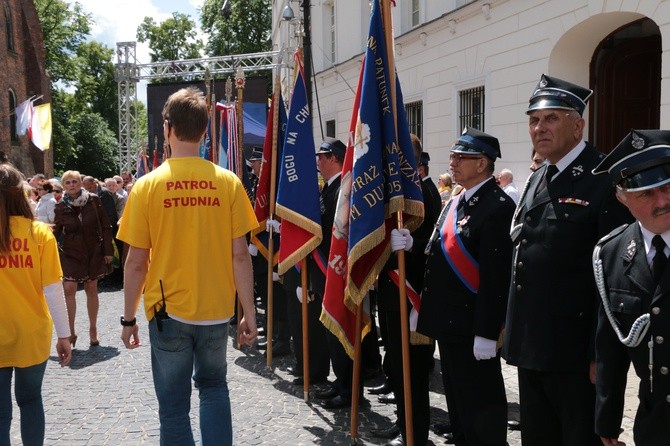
(477, 62)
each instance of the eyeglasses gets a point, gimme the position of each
(458, 157)
(67, 182)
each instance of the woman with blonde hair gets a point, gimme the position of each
(444, 186)
(86, 248)
(31, 298)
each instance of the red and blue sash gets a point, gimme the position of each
(460, 260)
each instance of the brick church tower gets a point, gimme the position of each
(22, 75)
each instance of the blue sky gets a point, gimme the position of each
(117, 21)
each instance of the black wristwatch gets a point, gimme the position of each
(130, 323)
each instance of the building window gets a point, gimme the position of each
(12, 117)
(414, 12)
(332, 32)
(330, 128)
(9, 28)
(414, 112)
(471, 112)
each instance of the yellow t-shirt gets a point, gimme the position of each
(188, 211)
(25, 321)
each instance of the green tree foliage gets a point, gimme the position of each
(83, 91)
(97, 89)
(173, 39)
(64, 27)
(96, 152)
(247, 30)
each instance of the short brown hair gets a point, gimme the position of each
(186, 114)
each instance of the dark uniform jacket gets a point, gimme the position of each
(415, 260)
(630, 293)
(551, 310)
(449, 310)
(328, 200)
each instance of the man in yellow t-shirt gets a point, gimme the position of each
(190, 218)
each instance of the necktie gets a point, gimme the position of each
(548, 175)
(660, 260)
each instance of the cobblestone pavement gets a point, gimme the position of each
(106, 396)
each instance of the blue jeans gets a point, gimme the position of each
(28, 393)
(177, 353)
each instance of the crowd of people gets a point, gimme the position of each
(565, 280)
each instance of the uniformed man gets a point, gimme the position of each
(634, 319)
(464, 297)
(421, 350)
(563, 212)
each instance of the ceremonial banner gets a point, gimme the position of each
(206, 142)
(336, 316)
(230, 154)
(142, 167)
(384, 174)
(262, 197)
(298, 202)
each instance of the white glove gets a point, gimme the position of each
(401, 239)
(275, 277)
(274, 224)
(298, 292)
(484, 348)
(253, 250)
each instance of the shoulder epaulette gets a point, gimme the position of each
(612, 234)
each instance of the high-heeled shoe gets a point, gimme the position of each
(93, 334)
(73, 340)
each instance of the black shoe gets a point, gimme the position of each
(448, 438)
(389, 432)
(294, 370)
(514, 425)
(371, 373)
(381, 390)
(300, 381)
(397, 441)
(337, 402)
(263, 345)
(280, 348)
(442, 428)
(326, 394)
(387, 399)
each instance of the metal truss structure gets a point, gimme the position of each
(129, 73)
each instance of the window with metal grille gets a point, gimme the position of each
(471, 105)
(414, 112)
(330, 128)
(415, 12)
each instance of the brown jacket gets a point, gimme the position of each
(83, 246)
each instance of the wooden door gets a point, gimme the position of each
(626, 78)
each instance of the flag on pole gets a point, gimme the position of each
(231, 155)
(298, 202)
(205, 149)
(335, 315)
(142, 167)
(384, 174)
(156, 162)
(24, 113)
(262, 197)
(40, 126)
